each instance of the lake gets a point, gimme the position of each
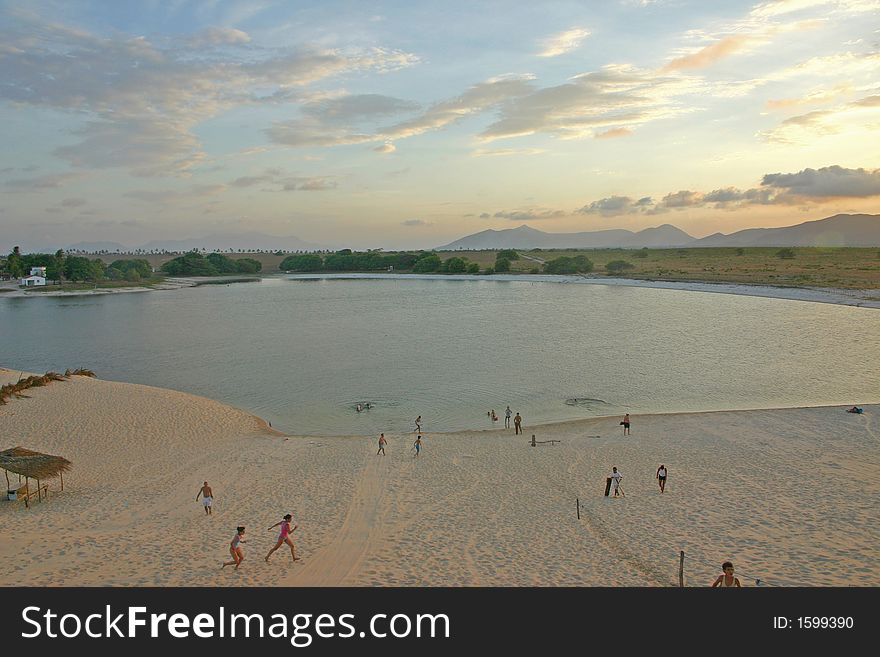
(302, 353)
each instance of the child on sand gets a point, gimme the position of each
(615, 481)
(727, 580)
(417, 445)
(283, 537)
(235, 549)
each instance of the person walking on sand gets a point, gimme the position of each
(207, 497)
(382, 443)
(417, 445)
(419, 424)
(615, 481)
(625, 424)
(517, 423)
(507, 414)
(235, 549)
(284, 537)
(661, 477)
(727, 580)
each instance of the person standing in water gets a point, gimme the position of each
(419, 424)
(661, 477)
(284, 537)
(207, 497)
(507, 414)
(235, 549)
(382, 443)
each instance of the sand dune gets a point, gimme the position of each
(788, 495)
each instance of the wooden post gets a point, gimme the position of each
(62, 479)
(578, 500)
(681, 570)
(39, 492)
(533, 440)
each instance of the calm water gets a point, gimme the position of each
(302, 353)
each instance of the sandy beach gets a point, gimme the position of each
(790, 496)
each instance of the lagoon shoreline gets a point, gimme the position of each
(862, 298)
(771, 490)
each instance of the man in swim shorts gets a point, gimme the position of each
(382, 443)
(207, 497)
(417, 445)
(517, 423)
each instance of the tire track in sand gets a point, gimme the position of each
(338, 563)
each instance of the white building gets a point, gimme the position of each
(31, 281)
(38, 271)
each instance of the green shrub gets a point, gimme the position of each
(785, 253)
(502, 265)
(473, 268)
(617, 266)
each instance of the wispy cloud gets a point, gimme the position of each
(48, 181)
(564, 42)
(142, 100)
(415, 223)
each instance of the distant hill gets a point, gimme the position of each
(839, 230)
(525, 237)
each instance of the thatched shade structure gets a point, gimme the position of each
(33, 465)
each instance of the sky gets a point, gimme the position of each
(410, 124)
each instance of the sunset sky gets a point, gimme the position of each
(409, 124)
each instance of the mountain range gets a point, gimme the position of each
(839, 230)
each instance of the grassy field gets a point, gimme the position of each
(811, 267)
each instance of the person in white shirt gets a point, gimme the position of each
(507, 415)
(661, 477)
(615, 481)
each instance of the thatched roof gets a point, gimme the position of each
(32, 464)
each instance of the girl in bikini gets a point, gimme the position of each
(235, 549)
(283, 537)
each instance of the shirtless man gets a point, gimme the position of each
(517, 423)
(207, 497)
(382, 443)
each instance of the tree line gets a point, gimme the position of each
(61, 267)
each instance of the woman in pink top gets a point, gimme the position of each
(283, 537)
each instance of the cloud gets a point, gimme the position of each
(563, 42)
(528, 215)
(505, 152)
(614, 133)
(415, 222)
(848, 117)
(614, 97)
(218, 36)
(316, 184)
(807, 185)
(73, 202)
(142, 100)
(827, 182)
(385, 148)
(616, 205)
(166, 195)
(48, 181)
(708, 55)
